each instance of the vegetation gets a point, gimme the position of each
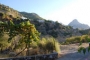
(24, 38)
(77, 39)
(9, 11)
(49, 45)
(4, 42)
(32, 16)
(83, 49)
(25, 30)
(53, 29)
(47, 27)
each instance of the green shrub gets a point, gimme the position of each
(77, 39)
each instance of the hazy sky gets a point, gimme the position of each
(63, 11)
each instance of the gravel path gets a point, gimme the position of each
(69, 52)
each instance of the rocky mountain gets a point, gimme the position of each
(75, 24)
(33, 16)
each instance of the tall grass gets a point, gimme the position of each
(49, 45)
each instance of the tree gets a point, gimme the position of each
(26, 30)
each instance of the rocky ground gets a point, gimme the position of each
(69, 52)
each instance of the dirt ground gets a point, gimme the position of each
(69, 52)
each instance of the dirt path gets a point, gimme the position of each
(69, 52)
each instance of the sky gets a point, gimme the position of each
(63, 11)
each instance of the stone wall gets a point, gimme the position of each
(52, 56)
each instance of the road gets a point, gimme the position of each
(69, 52)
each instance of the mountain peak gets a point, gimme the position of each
(75, 20)
(75, 24)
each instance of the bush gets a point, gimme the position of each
(77, 39)
(49, 45)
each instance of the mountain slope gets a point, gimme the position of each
(75, 24)
(33, 16)
(55, 29)
(6, 10)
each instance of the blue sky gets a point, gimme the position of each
(41, 7)
(63, 11)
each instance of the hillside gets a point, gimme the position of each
(55, 29)
(33, 16)
(75, 24)
(9, 11)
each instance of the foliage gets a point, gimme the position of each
(77, 39)
(49, 45)
(52, 28)
(32, 16)
(23, 36)
(83, 48)
(4, 42)
(25, 30)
